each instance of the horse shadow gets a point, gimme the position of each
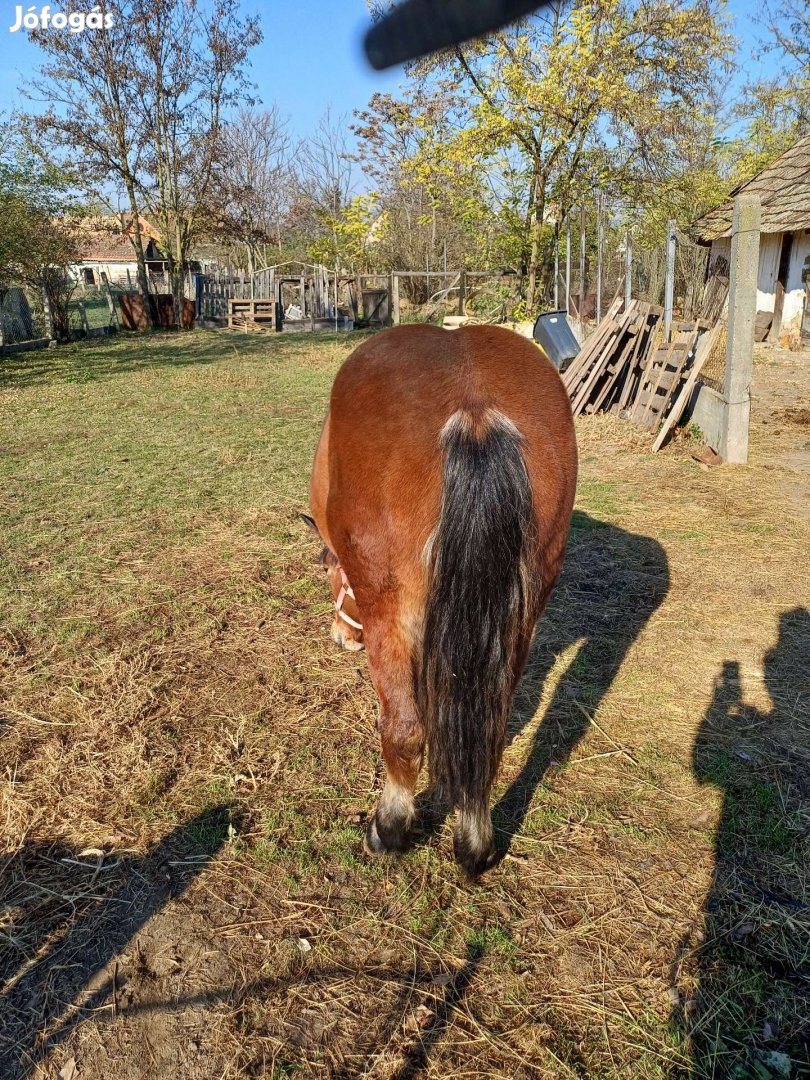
(742, 972)
(66, 915)
(612, 582)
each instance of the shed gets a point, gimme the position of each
(784, 250)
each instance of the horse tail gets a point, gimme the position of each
(476, 618)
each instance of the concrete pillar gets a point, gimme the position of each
(395, 313)
(628, 269)
(742, 310)
(669, 281)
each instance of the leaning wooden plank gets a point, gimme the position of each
(704, 349)
(626, 371)
(644, 347)
(668, 379)
(671, 383)
(610, 333)
(584, 357)
(580, 366)
(599, 364)
(633, 324)
(613, 372)
(644, 376)
(581, 369)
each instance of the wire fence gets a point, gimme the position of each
(595, 262)
(18, 321)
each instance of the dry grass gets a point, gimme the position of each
(187, 760)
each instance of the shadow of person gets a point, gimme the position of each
(743, 969)
(611, 584)
(65, 915)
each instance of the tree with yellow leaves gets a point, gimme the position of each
(588, 95)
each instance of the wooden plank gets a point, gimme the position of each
(578, 368)
(675, 356)
(704, 349)
(661, 407)
(600, 360)
(607, 353)
(650, 322)
(644, 384)
(613, 371)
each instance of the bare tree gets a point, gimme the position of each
(187, 62)
(140, 104)
(325, 181)
(253, 181)
(90, 127)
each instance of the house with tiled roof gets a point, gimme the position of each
(107, 248)
(784, 249)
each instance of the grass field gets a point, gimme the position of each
(186, 760)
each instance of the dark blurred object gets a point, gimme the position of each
(418, 27)
(556, 338)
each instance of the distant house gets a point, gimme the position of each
(107, 248)
(784, 250)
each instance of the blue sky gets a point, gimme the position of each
(311, 58)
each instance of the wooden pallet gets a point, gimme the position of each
(252, 315)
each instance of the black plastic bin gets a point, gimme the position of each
(556, 338)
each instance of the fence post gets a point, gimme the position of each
(628, 270)
(669, 281)
(582, 269)
(395, 313)
(568, 263)
(556, 265)
(600, 243)
(462, 290)
(111, 304)
(83, 315)
(742, 306)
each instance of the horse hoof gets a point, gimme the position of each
(474, 863)
(372, 845)
(392, 841)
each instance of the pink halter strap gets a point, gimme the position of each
(345, 590)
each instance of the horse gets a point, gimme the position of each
(442, 489)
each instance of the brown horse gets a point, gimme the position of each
(442, 488)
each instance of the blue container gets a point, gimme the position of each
(556, 338)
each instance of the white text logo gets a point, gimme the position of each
(41, 18)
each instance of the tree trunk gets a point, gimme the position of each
(176, 277)
(178, 274)
(536, 234)
(140, 258)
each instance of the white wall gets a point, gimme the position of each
(770, 248)
(794, 290)
(116, 271)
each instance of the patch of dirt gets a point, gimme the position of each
(800, 417)
(779, 440)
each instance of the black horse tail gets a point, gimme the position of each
(476, 618)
